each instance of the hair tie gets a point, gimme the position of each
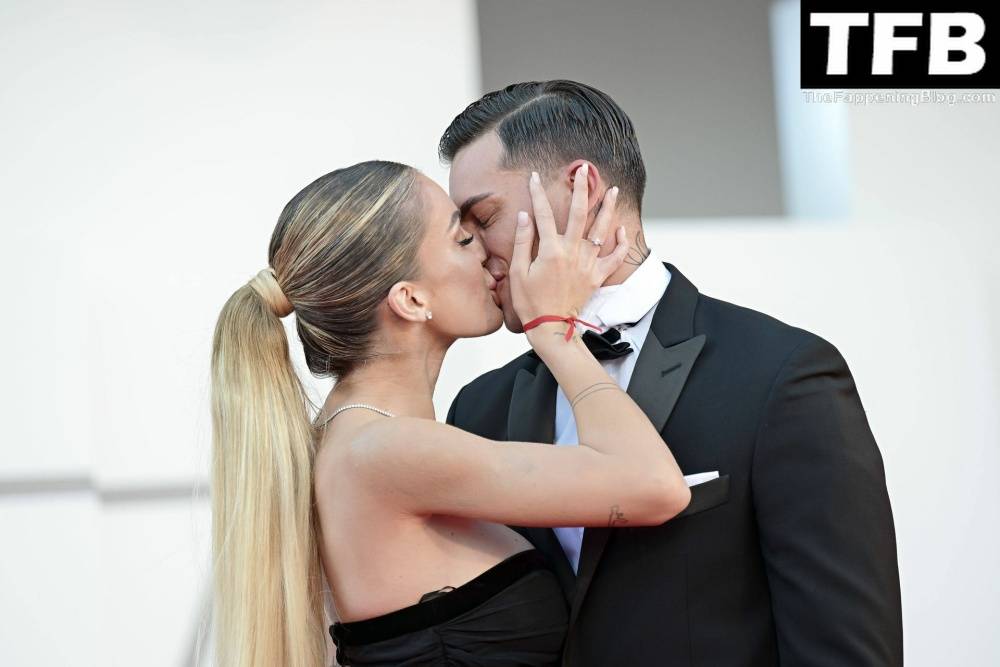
(266, 284)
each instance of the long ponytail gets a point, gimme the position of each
(339, 245)
(268, 603)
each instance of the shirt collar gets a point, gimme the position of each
(628, 301)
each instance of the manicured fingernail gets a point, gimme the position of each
(534, 176)
(614, 191)
(522, 218)
(584, 168)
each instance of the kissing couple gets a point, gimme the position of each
(664, 478)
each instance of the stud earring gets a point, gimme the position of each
(430, 316)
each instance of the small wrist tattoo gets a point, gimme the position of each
(616, 517)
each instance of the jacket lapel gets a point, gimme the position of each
(532, 413)
(664, 364)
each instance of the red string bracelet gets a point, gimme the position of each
(556, 318)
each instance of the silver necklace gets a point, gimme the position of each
(355, 405)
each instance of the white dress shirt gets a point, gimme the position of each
(634, 300)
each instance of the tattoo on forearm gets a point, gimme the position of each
(638, 251)
(616, 517)
(562, 334)
(592, 389)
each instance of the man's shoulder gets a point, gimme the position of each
(482, 395)
(749, 329)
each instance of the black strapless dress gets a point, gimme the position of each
(514, 613)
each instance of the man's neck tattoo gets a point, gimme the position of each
(638, 251)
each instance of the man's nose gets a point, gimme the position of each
(484, 252)
(497, 267)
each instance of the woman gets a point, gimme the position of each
(403, 515)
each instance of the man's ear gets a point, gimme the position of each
(595, 183)
(408, 301)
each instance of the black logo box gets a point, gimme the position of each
(910, 68)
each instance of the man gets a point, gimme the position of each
(786, 554)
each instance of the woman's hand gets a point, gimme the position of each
(567, 269)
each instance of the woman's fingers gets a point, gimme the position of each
(542, 211)
(599, 231)
(578, 203)
(524, 235)
(610, 263)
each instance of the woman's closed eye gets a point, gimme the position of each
(465, 227)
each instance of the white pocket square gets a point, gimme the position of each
(701, 477)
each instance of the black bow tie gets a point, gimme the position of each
(607, 345)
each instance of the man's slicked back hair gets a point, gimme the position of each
(546, 124)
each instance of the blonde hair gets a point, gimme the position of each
(338, 247)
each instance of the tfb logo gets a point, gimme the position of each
(899, 45)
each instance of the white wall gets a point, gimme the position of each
(925, 180)
(148, 149)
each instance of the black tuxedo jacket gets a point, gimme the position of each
(788, 558)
